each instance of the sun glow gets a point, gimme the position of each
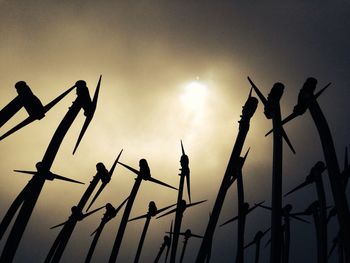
(195, 95)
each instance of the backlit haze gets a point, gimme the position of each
(172, 70)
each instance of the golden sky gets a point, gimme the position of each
(148, 53)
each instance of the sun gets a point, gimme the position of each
(194, 95)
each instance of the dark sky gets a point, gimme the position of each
(148, 53)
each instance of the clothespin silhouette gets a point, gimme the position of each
(143, 174)
(152, 212)
(32, 105)
(110, 213)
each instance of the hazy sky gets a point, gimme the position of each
(148, 53)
